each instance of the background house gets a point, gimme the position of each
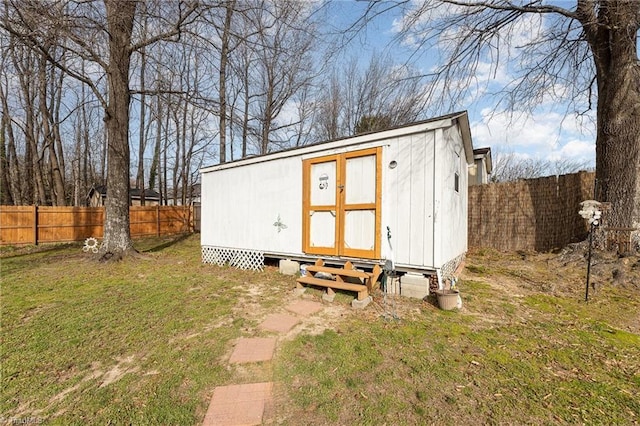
(98, 194)
(482, 166)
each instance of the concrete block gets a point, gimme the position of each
(413, 285)
(289, 267)
(329, 295)
(361, 304)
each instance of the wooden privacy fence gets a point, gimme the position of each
(43, 224)
(532, 214)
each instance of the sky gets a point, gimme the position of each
(546, 133)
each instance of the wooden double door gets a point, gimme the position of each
(342, 204)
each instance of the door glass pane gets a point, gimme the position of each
(322, 229)
(323, 184)
(360, 229)
(361, 180)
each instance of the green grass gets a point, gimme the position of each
(439, 371)
(145, 341)
(135, 341)
(562, 364)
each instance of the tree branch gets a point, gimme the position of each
(176, 30)
(510, 6)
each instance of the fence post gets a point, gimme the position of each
(158, 220)
(35, 224)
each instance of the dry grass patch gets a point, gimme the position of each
(146, 340)
(525, 349)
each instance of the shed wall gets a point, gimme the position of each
(450, 224)
(407, 200)
(241, 207)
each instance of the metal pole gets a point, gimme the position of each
(586, 294)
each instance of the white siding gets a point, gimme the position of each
(451, 219)
(256, 203)
(241, 205)
(408, 199)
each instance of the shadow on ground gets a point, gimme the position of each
(19, 251)
(174, 240)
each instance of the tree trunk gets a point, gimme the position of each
(618, 146)
(33, 184)
(142, 143)
(224, 53)
(155, 163)
(245, 113)
(5, 190)
(266, 119)
(86, 145)
(56, 99)
(117, 236)
(6, 132)
(613, 41)
(48, 123)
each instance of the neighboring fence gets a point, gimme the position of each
(43, 224)
(197, 216)
(532, 214)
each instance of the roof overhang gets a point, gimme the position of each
(465, 130)
(419, 127)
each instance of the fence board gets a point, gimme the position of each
(45, 224)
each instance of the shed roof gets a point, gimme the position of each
(406, 129)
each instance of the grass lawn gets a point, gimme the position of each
(142, 341)
(145, 341)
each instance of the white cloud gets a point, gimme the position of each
(547, 135)
(575, 149)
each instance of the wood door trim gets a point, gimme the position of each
(377, 206)
(341, 207)
(307, 207)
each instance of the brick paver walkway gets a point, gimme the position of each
(238, 404)
(247, 404)
(256, 349)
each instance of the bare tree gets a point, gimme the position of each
(357, 99)
(224, 58)
(142, 141)
(97, 30)
(10, 192)
(584, 54)
(278, 66)
(509, 166)
(50, 126)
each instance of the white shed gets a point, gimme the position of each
(398, 194)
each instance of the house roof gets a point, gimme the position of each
(133, 192)
(406, 129)
(148, 193)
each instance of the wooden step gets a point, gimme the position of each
(338, 271)
(360, 288)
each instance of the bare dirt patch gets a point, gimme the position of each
(514, 277)
(124, 366)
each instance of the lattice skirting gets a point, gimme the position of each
(239, 258)
(450, 267)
